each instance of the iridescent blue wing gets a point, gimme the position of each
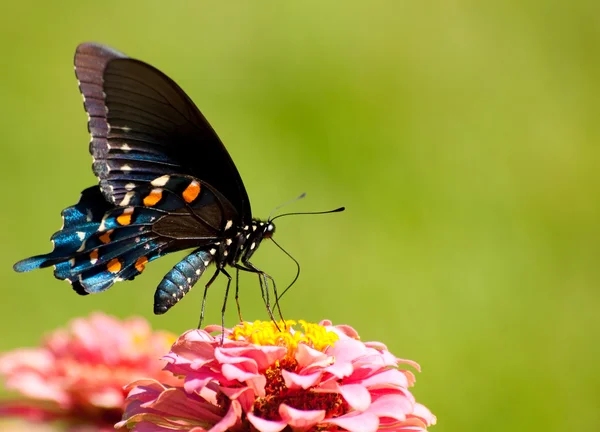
(79, 223)
(144, 126)
(92, 258)
(100, 244)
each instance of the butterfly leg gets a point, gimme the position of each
(224, 305)
(264, 289)
(237, 290)
(209, 283)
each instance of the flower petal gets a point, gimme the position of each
(363, 422)
(263, 425)
(357, 396)
(392, 405)
(300, 419)
(293, 380)
(233, 416)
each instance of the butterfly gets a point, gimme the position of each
(166, 183)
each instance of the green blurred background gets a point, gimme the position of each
(461, 136)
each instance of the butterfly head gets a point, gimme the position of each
(268, 230)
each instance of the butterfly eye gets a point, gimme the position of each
(269, 230)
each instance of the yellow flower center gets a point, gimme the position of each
(283, 333)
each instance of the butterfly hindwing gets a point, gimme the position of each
(100, 244)
(79, 223)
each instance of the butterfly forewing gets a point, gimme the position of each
(143, 126)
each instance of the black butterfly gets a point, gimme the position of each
(166, 183)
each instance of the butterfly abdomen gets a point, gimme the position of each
(180, 279)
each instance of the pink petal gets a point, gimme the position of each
(300, 419)
(310, 357)
(197, 383)
(422, 412)
(410, 363)
(346, 330)
(363, 422)
(261, 357)
(294, 380)
(177, 403)
(340, 369)
(233, 372)
(263, 425)
(393, 406)
(244, 395)
(37, 359)
(356, 395)
(194, 345)
(233, 416)
(386, 378)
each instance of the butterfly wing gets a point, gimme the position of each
(144, 126)
(100, 243)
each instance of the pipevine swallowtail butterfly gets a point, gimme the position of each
(166, 183)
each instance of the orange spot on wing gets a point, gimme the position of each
(114, 265)
(140, 264)
(191, 192)
(125, 217)
(105, 238)
(94, 255)
(152, 198)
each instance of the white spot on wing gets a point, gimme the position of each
(228, 224)
(160, 182)
(102, 226)
(127, 198)
(82, 247)
(213, 251)
(228, 242)
(81, 235)
(129, 186)
(125, 147)
(126, 168)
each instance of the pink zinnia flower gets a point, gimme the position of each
(265, 378)
(79, 373)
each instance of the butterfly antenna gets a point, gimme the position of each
(298, 198)
(337, 210)
(295, 278)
